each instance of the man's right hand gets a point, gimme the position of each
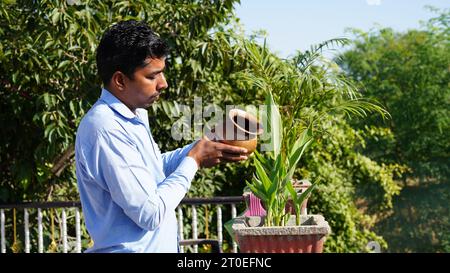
(209, 153)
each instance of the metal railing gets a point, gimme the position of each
(69, 211)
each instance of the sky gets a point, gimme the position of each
(297, 24)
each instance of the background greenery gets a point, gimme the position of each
(410, 74)
(48, 82)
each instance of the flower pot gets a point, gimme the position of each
(239, 128)
(308, 237)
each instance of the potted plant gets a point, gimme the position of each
(308, 92)
(278, 230)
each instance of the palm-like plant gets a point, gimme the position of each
(275, 171)
(309, 88)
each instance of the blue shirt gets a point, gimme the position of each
(129, 190)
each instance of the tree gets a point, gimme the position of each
(49, 80)
(409, 73)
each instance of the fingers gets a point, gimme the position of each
(230, 156)
(211, 163)
(212, 153)
(233, 157)
(225, 148)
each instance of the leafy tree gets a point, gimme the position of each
(409, 74)
(49, 80)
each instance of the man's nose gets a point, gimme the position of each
(162, 84)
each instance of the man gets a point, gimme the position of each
(128, 189)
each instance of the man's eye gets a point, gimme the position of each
(151, 77)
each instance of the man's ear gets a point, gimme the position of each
(118, 80)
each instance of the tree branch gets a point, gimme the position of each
(63, 161)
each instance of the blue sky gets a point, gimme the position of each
(293, 25)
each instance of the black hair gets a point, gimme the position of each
(125, 46)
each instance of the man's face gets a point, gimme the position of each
(146, 85)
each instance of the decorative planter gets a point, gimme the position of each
(308, 237)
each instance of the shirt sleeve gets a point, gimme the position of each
(172, 159)
(131, 183)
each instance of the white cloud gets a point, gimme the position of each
(373, 2)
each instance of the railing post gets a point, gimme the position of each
(27, 231)
(233, 215)
(194, 226)
(2, 230)
(219, 226)
(180, 227)
(77, 230)
(40, 233)
(64, 230)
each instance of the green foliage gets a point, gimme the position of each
(420, 220)
(353, 188)
(272, 180)
(48, 82)
(409, 74)
(316, 98)
(48, 79)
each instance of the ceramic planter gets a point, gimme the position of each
(308, 237)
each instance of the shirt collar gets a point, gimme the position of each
(116, 104)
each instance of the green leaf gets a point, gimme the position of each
(48, 44)
(274, 190)
(263, 160)
(293, 162)
(36, 77)
(275, 170)
(304, 135)
(262, 175)
(257, 182)
(291, 191)
(305, 194)
(63, 64)
(72, 108)
(14, 77)
(55, 17)
(257, 192)
(274, 124)
(299, 147)
(49, 129)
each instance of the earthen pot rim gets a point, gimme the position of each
(235, 112)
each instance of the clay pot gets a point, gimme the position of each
(239, 128)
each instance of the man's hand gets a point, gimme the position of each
(208, 153)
